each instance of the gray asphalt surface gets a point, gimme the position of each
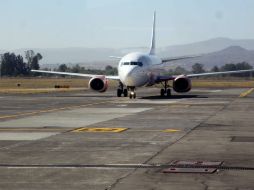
(55, 141)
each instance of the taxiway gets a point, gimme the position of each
(71, 141)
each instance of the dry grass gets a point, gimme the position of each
(43, 85)
(37, 90)
(223, 83)
(39, 83)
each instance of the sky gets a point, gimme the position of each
(120, 23)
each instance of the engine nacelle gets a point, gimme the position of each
(98, 84)
(182, 84)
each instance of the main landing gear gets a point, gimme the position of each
(165, 91)
(121, 90)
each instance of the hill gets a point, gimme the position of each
(217, 51)
(232, 54)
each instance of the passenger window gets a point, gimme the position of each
(140, 64)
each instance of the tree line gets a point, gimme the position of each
(14, 65)
(108, 70)
(196, 68)
(199, 68)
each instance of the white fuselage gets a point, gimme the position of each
(139, 69)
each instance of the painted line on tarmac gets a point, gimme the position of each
(101, 130)
(179, 105)
(246, 93)
(156, 130)
(30, 130)
(119, 130)
(171, 130)
(121, 166)
(50, 110)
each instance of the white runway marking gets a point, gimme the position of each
(24, 136)
(122, 105)
(71, 118)
(144, 101)
(204, 90)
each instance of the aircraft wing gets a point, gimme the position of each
(164, 60)
(77, 74)
(164, 78)
(219, 73)
(167, 78)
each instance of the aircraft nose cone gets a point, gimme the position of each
(128, 77)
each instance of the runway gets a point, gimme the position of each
(85, 140)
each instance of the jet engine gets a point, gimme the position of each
(182, 84)
(98, 84)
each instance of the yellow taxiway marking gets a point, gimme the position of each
(103, 130)
(49, 110)
(156, 130)
(246, 93)
(171, 130)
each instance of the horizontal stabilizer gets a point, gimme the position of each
(178, 58)
(115, 57)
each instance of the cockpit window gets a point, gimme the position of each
(133, 63)
(140, 64)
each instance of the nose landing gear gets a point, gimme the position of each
(132, 94)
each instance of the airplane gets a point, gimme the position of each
(142, 69)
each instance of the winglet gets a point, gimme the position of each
(152, 50)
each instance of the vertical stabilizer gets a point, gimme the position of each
(152, 50)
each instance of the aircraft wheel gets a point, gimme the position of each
(119, 92)
(132, 95)
(162, 92)
(168, 92)
(125, 92)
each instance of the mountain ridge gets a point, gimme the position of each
(213, 49)
(232, 54)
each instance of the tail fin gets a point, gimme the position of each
(152, 50)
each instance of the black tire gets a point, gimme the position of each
(130, 96)
(134, 95)
(125, 92)
(168, 92)
(162, 92)
(119, 92)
